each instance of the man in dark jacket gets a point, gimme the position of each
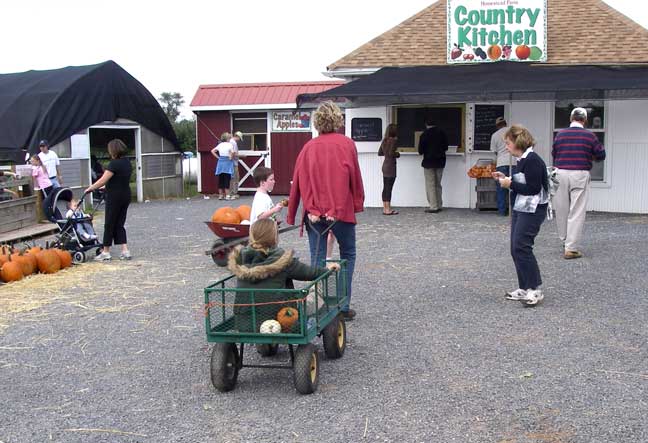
(433, 145)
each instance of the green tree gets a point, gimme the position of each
(171, 102)
(186, 132)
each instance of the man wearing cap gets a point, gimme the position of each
(433, 145)
(573, 151)
(498, 145)
(51, 162)
(234, 183)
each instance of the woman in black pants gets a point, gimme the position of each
(529, 186)
(388, 149)
(116, 178)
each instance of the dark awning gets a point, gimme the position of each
(58, 103)
(487, 82)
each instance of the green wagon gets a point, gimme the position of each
(235, 317)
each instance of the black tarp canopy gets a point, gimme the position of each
(488, 82)
(56, 104)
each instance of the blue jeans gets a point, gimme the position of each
(524, 229)
(55, 182)
(503, 193)
(346, 238)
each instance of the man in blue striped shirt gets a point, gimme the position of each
(574, 150)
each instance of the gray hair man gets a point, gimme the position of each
(574, 150)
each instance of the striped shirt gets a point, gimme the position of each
(575, 148)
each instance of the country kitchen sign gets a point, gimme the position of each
(291, 121)
(494, 30)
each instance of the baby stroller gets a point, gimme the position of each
(70, 229)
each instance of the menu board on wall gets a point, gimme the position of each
(485, 116)
(366, 129)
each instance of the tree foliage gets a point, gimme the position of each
(171, 103)
(186, 132)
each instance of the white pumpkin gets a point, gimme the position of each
(270, 327)
(245, 222)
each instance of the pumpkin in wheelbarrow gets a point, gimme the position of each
(244, 212)
(227, 215)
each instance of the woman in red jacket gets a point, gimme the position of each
(327, 180)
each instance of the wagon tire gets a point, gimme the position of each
(306, 369)
(266, 350)
(78, 257)
(334, 338)
(224, 366)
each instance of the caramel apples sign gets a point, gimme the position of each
(482, 31)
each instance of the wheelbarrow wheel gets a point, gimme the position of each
(220, 257)
(334, 338)
(266, 350)
(224, 366)
(306, 369)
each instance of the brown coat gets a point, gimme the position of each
(388, 149)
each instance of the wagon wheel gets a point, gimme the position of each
(224, 366)
(334, 338)
(267, 350)
(306, 369)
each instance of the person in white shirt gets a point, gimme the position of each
(224, 153)
(498, 145)
(262, 206)
(234, 183)
(51, 162)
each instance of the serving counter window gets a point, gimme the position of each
(254, 126)
(411, 124)
(595, 123)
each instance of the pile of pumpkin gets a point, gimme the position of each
(16, 264)
(482, 171)
(232, 216)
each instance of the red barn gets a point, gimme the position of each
(274, 130)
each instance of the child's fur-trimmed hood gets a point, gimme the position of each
(253, 265)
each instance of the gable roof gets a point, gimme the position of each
(57, 103)
(231, 96)
(577, 33)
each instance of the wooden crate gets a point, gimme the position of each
(17, 214)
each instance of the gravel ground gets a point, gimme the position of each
(436, 353)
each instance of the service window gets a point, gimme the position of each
(254, 126)
(595, 123)
(410, 121)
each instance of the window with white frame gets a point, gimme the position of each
(595, 123)
(254, 126)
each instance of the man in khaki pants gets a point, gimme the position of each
(433, 145)
(234, 183)
(574, 150)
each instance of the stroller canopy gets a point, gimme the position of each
(56, 104)
(58, 196)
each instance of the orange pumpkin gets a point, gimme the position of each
(48, 261)
(65, 257)
(226, 214)
(244, 212)
(34, 250)
(11, 271)
(27, 266)
(287, 317)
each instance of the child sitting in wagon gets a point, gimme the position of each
(263, 265)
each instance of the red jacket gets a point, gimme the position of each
(327, 179)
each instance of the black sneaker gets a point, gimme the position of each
(349, 315)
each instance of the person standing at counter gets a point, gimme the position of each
(433, 145)
(529, 186)
(498, 146)
(574, 150)
(388, 150)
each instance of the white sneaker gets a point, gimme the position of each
(518, 294)
(229, 197)
(533, 297)
(86, 236)
(104, 256)
(125, 256)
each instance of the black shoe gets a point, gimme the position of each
(432, 211)
(349, 315)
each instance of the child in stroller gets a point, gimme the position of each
(83, 228)
(72, 227)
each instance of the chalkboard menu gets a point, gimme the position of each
(366, 129)
(485, 116)
(412, 120)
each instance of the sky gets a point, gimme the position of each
(176, 46)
